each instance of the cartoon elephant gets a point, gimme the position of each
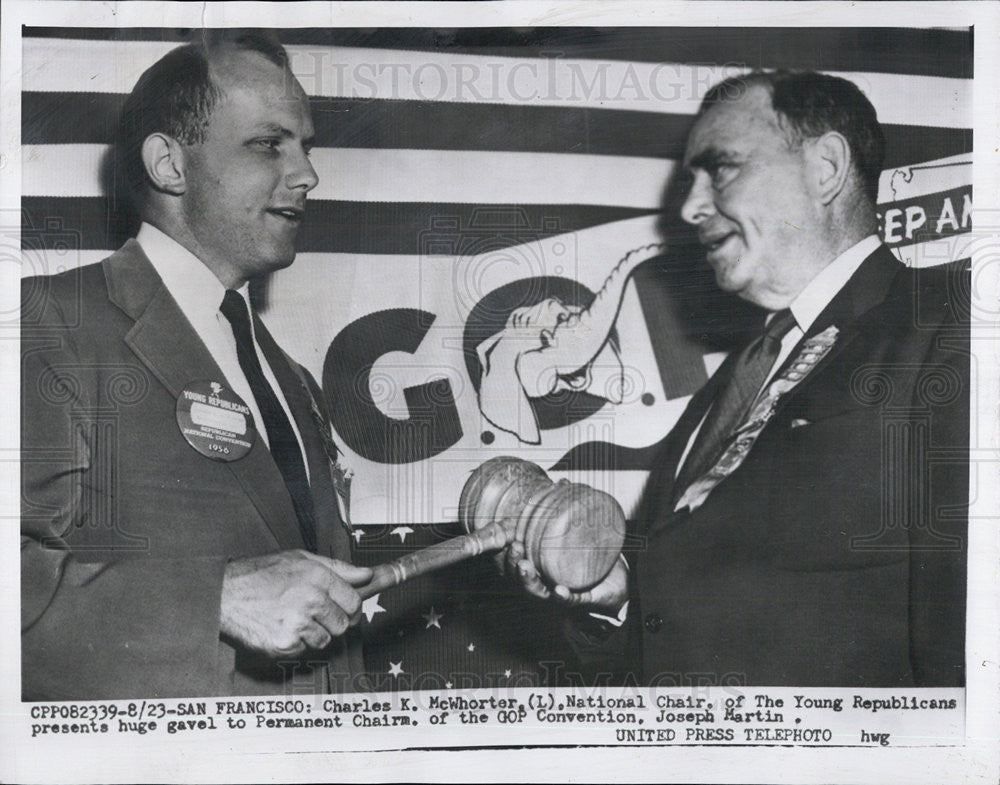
(552, 346)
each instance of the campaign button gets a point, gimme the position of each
(215, 421)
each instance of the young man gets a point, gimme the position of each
(180, 528)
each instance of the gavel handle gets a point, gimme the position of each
(492, 537)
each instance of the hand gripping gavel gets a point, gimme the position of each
(571, 532)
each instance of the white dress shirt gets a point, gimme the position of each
(199, 295)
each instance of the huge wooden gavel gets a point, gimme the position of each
(571, 532)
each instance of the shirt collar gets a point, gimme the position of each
(192, 285)
(821, 290)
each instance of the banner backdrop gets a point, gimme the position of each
(465, 287)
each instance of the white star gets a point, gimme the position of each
(357, 534)
(396, 668)
(471, 647)
(402, 531)
(370, 607)
(506, 673)
(433, 619)
(447, 685)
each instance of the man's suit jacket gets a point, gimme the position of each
(835, 554)
(126, 529)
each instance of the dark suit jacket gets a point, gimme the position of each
(126, 530)
(835, 554)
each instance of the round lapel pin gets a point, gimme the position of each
(215, 421)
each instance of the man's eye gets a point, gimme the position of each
(722, 174)
(269, 142)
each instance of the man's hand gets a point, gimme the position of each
(606, 597)
(285, 603)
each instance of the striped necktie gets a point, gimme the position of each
(734, 400)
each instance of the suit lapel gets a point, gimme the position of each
(163, 339)
(864, 290)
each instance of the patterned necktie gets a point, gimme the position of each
(734, 400)
(284, 446)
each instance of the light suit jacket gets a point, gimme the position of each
(126, 529)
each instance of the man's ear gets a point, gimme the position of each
(830, 159)
(163, 159)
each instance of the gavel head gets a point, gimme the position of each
(571, 532)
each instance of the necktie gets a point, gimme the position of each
(284, 446)
(734, 400)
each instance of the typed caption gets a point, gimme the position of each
(528, 717)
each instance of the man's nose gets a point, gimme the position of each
(301, 173)
(698, 203)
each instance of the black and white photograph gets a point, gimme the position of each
(611, 392)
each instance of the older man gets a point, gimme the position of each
(805, 521)
(180, 525)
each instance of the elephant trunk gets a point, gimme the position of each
(579, 338)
